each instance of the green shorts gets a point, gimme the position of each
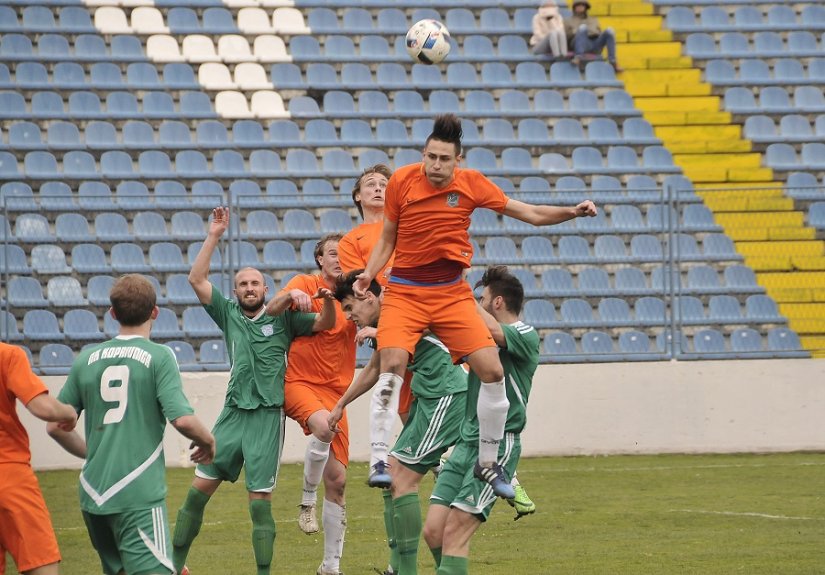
(432, 428)
(251, 438)
(456, 485)
(136, 542)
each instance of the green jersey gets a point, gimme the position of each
(257, 350)
(519, 360)
(434, 373)
(128, 387)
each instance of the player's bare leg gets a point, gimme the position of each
(458, 530)
(50, 569)
(434, 529)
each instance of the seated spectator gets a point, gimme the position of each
(549, 37)
(587, 37)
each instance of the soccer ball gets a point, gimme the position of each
(428, 41)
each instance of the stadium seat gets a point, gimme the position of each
(184, 355)
(25, 292)
(561, 347)
(187, 226)
(55, 359)
(112, 227)
(65, 291)
(81, 325)
(166, 325)
(128, 258)
(763, 309)
(41, 325)
(166, 257)
(599, 346)
(49, 259)
(539, 313)
(13, 260)
(213, 356)
(709, 344)
(636, 346)
(198, 324)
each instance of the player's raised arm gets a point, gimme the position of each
(548, 215)
(380, 256)
(325, 319)
(199, 274)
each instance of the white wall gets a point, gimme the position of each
(682, 407)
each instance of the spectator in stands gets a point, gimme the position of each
(549, 37)
(587, 37)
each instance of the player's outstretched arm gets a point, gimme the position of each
(378, 259)
(548, 215)
(363, 383)
(199, 274)
(47, 408)
(202, 441)
(68, 440)
(326, 319)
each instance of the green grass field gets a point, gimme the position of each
(709, 514)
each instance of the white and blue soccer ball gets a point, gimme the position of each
(428, 41)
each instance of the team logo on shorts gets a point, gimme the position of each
(267, 330)
(452, 199)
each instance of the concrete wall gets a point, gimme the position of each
(680, 407)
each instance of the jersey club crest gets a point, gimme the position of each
(452, 199)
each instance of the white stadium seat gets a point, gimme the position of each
(111, 20)
(251, 76)
(163, 48)
(215, 76)
(268, 104)
(229, 104)
(234, 48)
(198, 48)
(253, 21)
(289, 21)
(269, 48)
(148, 20)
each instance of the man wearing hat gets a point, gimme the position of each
(588, 37)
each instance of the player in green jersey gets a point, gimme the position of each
(460, 502)
(439, 390)
(129, 387)
(250, 426)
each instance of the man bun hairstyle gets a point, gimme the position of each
(447, 128)
(502, 283)
(344, 286)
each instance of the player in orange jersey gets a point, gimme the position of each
(26, 528)
(319, 370)
(426, 217)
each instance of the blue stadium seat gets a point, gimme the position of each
(184, 355)
(279, 254)
(8, 327)
(195, 248)
(784, 341)
(89, 258)
(197, 323)
(500, 250)
(719, 247)
(561, 347)
(187, 226)
(213, 356)
(178, 290)
(41, 325)
(763, 309)
(98, 288)
(13, 260)
(166, 257)
(133, 196)
(150, 226)
(599, 346)
(55, 359)
(26, 292)
(574, 249)
(636, 346)
(128, 258)
(614, 311)
(649, 310)
(709, 343)
(609, 248)
(691, 310)
(631, 281)
(576, 312)
(81, 325)
(17, 196)
(537, 250)
(102, 135)
(746, 343)
(248, 133)
(112, 227)
(335, 221)
(539, 313)
(355, 75)
(166, 325)
(299, 223)
(243, 254)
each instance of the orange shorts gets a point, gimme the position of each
(405, 397)
(448, 311)
(301, 400)
(27, 532)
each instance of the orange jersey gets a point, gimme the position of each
(16, 382)
(433, 223)
(325, 358)
(355, 248)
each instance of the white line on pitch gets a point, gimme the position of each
(747, 514)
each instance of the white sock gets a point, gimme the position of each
(492, 415)
(334, 518)
(383, 411)
(315, 459)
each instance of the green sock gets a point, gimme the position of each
(451, 565)
(436, 551)
(263, 533)
(407, 515)
(187, 525)
(389, 526)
